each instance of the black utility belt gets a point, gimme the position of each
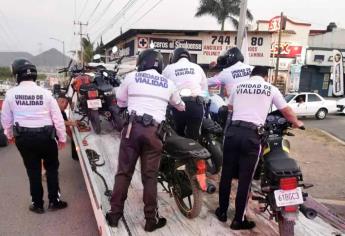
(46, 130)
(146, 120)
(244, 124)
(197, 99)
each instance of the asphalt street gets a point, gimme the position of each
(333, 124)
(17, 220)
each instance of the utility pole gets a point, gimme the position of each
(81, 39)
(241, 23)
(279, 48)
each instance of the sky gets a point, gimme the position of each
(28, 25)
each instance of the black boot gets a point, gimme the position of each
(112, 219)
(240, 225)
(156, 223)
(57, 205)
(221, 216)
(37, 208)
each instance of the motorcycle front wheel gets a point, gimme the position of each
(95, 120)
(286, 227)
(187, 194)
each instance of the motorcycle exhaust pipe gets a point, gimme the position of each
(309, 213)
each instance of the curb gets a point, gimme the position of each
(332, 136)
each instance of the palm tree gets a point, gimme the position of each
(222, 10)
(87, 50)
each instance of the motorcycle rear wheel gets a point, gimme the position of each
(190, 205)
(286, 227)
(95, 120)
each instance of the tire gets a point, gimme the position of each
(185, 181)
(95, 121)
(286, 228)
(321, 114)
(214, 163)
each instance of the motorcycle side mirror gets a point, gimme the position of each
(185, 92)
(96, 57)
(114, 49)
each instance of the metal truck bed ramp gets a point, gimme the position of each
(106, 145)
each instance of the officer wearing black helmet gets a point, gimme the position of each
(31, 117)
(250, 101)
(146, 94)
(187, 75)
(234, 70)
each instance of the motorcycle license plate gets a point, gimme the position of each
(94, 103)
(288, 197)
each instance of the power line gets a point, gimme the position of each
(94, 10)
(83, 9)
(102, 14)
(153, 7)
(7, 30)
(116, 18)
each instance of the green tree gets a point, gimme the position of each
(5, 72)
(87, 49)
(222, 10)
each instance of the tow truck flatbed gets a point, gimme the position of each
(107, 144)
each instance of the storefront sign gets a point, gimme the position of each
(125, 50)
(216, 43)
(287, 50)
(274, 24)
(338, 73)
(171, 44)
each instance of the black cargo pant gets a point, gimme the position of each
(143, 143)
(240, 157)
(34, 148)
(188, 122)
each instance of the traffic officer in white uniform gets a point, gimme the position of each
(31, 117)
(188, 75)
(146, 94)
(250, 102)
(234, 70)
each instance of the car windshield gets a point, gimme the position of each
(288, 97)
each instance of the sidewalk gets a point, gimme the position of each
(322, 160)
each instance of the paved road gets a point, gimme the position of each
(17, 220)
(334, 124)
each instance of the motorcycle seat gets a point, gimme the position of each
(105, 87)
(279, 163)
(87, 87)
(181, 148)
(210, 126)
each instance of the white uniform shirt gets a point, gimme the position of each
(230, 76)
(252, 99)
(148, 92)
(216, 102)
(32, 107)
(187, 75)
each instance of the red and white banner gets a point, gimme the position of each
(338, 73)
(287, 50)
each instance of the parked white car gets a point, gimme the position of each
(311, 104)
(341, 105)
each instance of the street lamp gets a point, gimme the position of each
(63, 48)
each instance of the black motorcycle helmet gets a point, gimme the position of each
(231, 57)
(179, 53)
(23, 69)
(150, 59)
